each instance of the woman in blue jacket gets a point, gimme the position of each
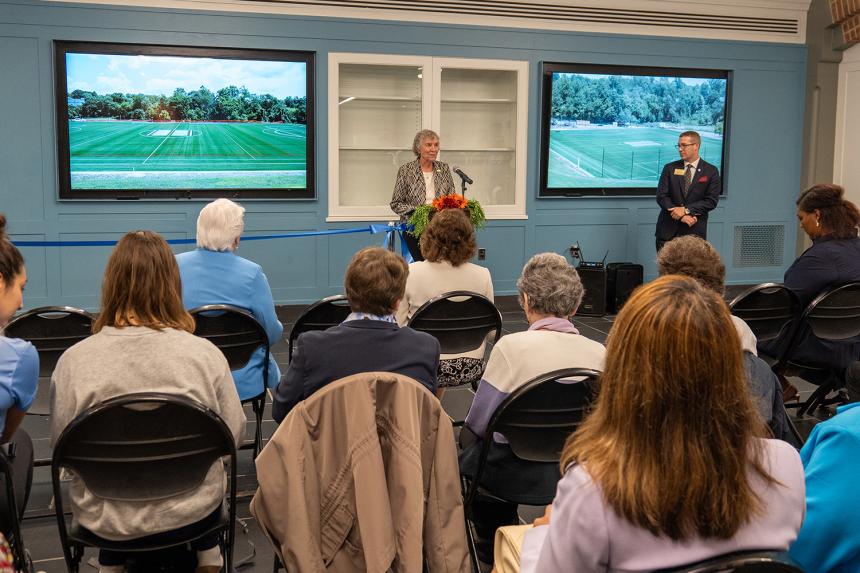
(19, 376)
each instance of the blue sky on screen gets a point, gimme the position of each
(688, 81)
(161, 75)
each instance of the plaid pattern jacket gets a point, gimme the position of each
(409, 189)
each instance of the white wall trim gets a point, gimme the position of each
(847, 144)
(782, 21)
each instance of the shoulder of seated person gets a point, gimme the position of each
(21, 347)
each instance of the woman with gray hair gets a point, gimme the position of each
(214, 274)
(420, 181)
(550, 292)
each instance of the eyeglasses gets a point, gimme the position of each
(685, 145)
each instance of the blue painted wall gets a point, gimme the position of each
(764, 157)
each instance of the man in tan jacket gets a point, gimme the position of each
(362, 476)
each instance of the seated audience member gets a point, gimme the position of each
(143, 342)
(19, 377)
(369, 340)
(828, 542)
(831, 221)
(550, 292)
(215, 274)
(447, 245)
(671, 467)
(694, 257)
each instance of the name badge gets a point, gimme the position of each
(679, 172)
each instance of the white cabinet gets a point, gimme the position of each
(377, 103)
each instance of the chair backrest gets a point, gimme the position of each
(835, 313)
(52, 330)
(741, 562)
(14, 533)
(142, 447)
(538, 417)
(769, 309)
(459, 320)
(321, 315)
(233, 330)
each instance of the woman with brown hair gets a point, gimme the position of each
(831, 222)
(671, 467)
(447, 244)
(19, 376)
(143, 342)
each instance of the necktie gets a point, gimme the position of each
(688, 178)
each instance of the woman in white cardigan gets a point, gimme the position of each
(447, 244)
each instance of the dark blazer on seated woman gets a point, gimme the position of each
(827, 263)
(352, 347)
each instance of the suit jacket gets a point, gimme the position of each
(409, 188)
(702, 197)
(362, 477)
(352, 347)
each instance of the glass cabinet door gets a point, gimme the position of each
(379, 102)
(481, 119)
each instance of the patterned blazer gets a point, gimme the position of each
(409, 189)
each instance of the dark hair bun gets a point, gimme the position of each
(2, 226)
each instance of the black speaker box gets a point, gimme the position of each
(621, 280)
(594, 281)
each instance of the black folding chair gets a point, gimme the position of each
(237, 334)
(22, 559)
(139, 448)
(741, 562)
(321, 315)
(770, 310)
(52, 330)
(536, 419)
(833, 315)
(460, 320)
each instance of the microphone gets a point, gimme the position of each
(462, 175)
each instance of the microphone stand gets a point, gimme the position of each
(463, 187)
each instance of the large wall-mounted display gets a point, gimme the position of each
(608, 130)
(149, 122)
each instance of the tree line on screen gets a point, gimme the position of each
(638, 100)
(230, 103)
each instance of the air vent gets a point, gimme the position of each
(562, 13)
(758, 245)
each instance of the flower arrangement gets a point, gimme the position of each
(420, 218)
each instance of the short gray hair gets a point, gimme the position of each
(551, 284)
(420, 137)
(219, 224)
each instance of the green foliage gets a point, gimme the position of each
(476, 214)
(636, 99)
(420, 219)
(230, 103)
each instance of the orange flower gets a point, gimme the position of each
(452, 201)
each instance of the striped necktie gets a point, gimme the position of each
(688, 178)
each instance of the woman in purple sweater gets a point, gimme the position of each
(672, 466)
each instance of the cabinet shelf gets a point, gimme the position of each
(477, 100)
(372, 148)
(345, 98)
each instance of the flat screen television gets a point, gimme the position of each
(154, 122)
(608, 130)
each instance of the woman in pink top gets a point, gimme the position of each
(672, 466)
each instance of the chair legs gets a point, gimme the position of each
(259, 407)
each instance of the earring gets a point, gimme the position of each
(817, 223)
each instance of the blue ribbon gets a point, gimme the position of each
(372, 229)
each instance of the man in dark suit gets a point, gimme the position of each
(369, 340)
(688, 190)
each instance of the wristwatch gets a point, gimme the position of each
(687, 211)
